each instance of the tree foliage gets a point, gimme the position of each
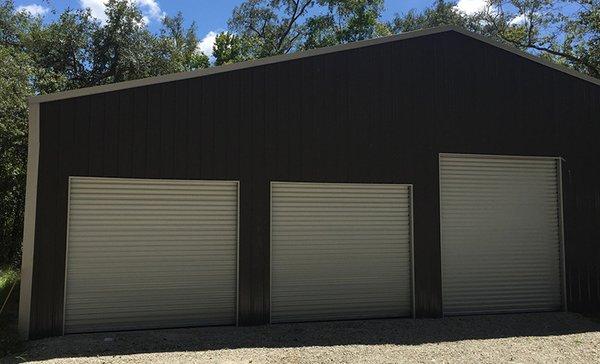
(440, 13)
(345, 22)
(80, 51)
(178, 47)
(261, 28)
(270, 27)
(15, 70)
(230, 48)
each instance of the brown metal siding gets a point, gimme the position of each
(375, 114)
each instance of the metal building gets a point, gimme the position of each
(425, 174)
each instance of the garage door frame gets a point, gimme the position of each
(561, 229)
(411, 242)
(237, 257)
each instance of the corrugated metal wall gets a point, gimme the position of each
(584, 289)
(582, 201)
(150, 254)
(340, 251)
(500, 234)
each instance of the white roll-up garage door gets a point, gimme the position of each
(501, 234)
(340, 251)
(150, 254)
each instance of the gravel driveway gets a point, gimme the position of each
(544, 337)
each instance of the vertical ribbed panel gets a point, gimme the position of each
(500, 224)
(150, 254)
(340, 251)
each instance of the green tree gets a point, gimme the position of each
(440, 13)
(121, 48)
(270, 27)
(229, 48)
(78, 51)
(345, 22)
(583, 38)
(13, 26)
(16, 68)
(62, 50)
(177, 48)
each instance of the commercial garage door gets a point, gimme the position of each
(501, 234)
(150, 254)
(340, 251)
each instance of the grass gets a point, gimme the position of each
(10, 343)
(7, 278)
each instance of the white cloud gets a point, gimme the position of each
(206, 44)
(519, 20)
(150, 9)
(33, 9)
(96, 8)
(471, 7)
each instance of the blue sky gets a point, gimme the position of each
(210, 15)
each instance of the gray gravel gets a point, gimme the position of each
(543, 338)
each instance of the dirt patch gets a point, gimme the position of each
(544, 337)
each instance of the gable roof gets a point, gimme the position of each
(304, 54)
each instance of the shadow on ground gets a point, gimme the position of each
(369, 332)
(9, 339)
